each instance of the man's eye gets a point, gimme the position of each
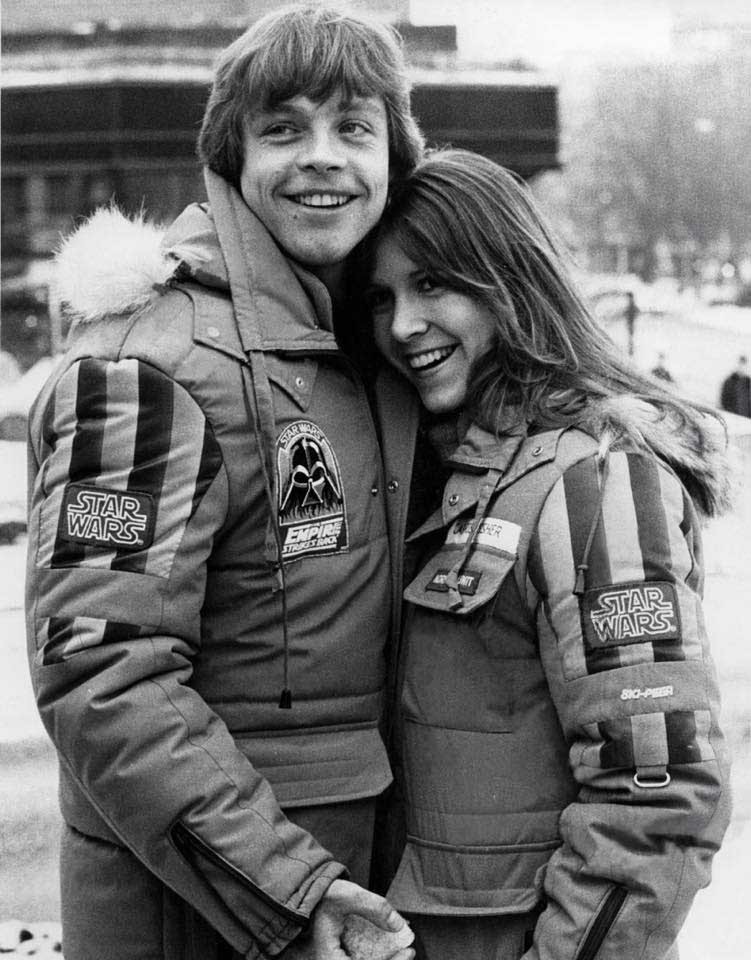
(279, 129)
(354, 126)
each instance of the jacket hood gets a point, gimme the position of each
(696, 448)
(113, 263)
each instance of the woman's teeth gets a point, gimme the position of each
(424, 361)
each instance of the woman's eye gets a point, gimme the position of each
(426, 284)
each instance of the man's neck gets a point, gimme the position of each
(332, 277)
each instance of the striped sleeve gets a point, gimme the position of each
(627, 661)
(641, 602)
(130, 458)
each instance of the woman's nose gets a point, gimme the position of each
(408, 321)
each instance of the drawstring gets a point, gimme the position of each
(452, 577)
(583, 566)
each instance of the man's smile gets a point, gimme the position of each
(319, 199)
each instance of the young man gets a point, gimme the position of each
(208, 573)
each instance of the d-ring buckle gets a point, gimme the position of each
(652, 784)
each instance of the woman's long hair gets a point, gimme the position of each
(474, 227)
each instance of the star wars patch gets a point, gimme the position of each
(98, 516)
(630, 613)
(468, 582)
(312, 514)
(494, 534)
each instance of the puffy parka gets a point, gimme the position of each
(207, 544)
(558, 733)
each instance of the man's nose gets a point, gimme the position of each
(321, 150)
(408, 321)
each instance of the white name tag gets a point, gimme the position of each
(493, 534)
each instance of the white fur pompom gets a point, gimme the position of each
(110, 265)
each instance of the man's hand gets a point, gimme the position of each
(324, 940)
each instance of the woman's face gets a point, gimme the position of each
(430, 333)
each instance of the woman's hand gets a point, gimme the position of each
(328, 940)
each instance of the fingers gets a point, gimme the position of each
(346, 898)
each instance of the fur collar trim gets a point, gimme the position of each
(114, 264)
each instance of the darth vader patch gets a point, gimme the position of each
(312, 514)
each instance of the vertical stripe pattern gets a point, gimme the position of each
(648, 739)
(85, 444)
(125, 426)
(638, 537)
(64, 636)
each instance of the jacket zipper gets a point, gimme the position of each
(602, 924)
(185, 837)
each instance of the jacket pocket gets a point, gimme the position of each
(601, 924)
(480, 578)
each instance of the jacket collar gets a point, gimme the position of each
(278, 306)
(482, 459)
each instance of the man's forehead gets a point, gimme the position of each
(338, 100)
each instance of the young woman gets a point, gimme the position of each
(564, 774)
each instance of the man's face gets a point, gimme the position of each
(316, 175)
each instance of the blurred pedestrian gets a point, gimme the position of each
(735, 394)
(208, 589)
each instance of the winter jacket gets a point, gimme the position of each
(207, 534)
(558, 732)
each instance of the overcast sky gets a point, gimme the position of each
(544, 31)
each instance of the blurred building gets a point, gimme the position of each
(104, 101)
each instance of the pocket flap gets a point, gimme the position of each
(489, 561)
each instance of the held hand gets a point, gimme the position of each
(343, 899)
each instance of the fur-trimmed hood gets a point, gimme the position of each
(114, 264)
(697, 451)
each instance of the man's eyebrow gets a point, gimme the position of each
(364, 104)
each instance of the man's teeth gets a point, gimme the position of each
(422, 360)
(321, 199)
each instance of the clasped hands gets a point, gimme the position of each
(340, 930)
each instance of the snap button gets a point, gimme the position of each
(213, 332)
(299, 382)
(453, 499)
(374, 490)
(393, 486)
(537, 451)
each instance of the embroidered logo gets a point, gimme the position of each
(121, 520)
(630, 613)
(468, 582)
(647, 693)
(494, 534)
(312, 515)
